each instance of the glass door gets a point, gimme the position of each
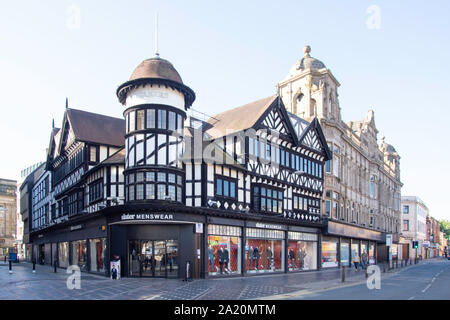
(147, 259)
(134, 258)
(172, 258)
(160, 258)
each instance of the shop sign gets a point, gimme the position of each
(269, 226)
(199, 228)
(389, 239)
(77, 227)
(146, 216)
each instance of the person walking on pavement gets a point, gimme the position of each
(356, 261)
(364, 260)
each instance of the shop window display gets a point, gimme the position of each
(79, 254)
(372, 256)
(262, 253)
(355, 250)
(63, 254)
(345, 253)
(364, 247)
(97, 254)
(224, 250)
(302, 251)
(329, 252)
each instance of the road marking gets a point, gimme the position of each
(410, 298)
(432, 280)
(426, 288)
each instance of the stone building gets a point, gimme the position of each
(7, 216)
(433, 230)
(414, 227)
(362, 181)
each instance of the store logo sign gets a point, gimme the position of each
(146, 216)
(269, 226)
(77, 227)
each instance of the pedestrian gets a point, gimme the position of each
(356, 261)
(364, 259)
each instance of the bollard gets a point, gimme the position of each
(54, 266)
(10, 266)
(384, 267)
(343, 274)
(367, 274)
(396, 264)
(34, 266)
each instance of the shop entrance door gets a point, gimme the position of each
(153, 258)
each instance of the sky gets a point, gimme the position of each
(389, 56)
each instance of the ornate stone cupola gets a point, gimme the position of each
(310, 89)
(156, 100)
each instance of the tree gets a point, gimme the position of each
(445, 228)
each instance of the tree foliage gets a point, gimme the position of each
(445, 227)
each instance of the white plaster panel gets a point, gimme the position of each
(155, 95)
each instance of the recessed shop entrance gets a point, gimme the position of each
(153, 258)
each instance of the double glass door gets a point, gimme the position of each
(153, 258)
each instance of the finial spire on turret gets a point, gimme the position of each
(306, 50)
(156, 35)
(67, 103)
(53, 123)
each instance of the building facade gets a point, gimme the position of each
(8, 205)
(433, 231)
(26, 205)
(165, 192)
(362, 182)
(414, 227)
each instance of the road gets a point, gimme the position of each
(429, 280)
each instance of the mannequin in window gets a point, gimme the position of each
(250, 257)
(226, 259)
(301, 257)
(221, 256)
(256, 257)
(269, 257)
(211, 259)
(292, 257)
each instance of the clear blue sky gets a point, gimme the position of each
(231, 53)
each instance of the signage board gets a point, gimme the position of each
(146, 216)
(199, 228)
(389, 239)
(115, 269)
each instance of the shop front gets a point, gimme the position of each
(162, 245)
(224, 250)
(302, 251)
(330, 252)
(83, 244)
(265, 250)
(342, 243)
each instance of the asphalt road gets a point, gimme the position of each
(429, 280)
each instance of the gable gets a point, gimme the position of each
(275, 118)
(313, 138)
(312, 141)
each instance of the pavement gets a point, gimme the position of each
(23, 284)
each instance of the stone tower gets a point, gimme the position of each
(310, 89)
